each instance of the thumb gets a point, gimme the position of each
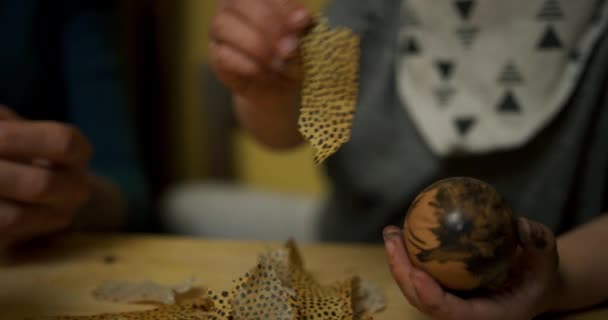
(538, 243)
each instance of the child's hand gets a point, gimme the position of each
(528, 295)
(251, 43)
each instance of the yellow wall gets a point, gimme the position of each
(187, 98)
(286, 171)
(290, 171)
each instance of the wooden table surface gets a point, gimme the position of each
(57, 277)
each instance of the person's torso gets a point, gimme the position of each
(558, 176)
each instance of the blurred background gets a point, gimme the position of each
(205, 174)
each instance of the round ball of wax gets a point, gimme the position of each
(461, 232)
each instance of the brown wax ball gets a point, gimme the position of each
(461, 232)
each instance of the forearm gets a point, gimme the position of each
(583, 267)
(274, 125)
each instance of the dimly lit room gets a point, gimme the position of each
(303, 159)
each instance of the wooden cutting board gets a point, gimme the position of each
(56, 276)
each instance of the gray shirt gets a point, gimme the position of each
(558, 178)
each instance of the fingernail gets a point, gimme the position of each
(391, 233)
(287, 45)
(298, 17)
(390, 246)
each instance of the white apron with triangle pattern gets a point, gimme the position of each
(478, 76)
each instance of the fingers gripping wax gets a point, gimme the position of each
(462, 233)
(330, 60)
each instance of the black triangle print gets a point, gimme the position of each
(443, 95)
(509, 104)
(467, 35)
(596, 16)
(574, 55)
(465, 7)
(464, 125)
(445, 69)
(550, 40)
(551, 11)
(410, 47)
(510, 75)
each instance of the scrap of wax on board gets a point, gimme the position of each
(277, 287)
(142, 292)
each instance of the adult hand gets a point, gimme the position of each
(529, 292)
(43, 176)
